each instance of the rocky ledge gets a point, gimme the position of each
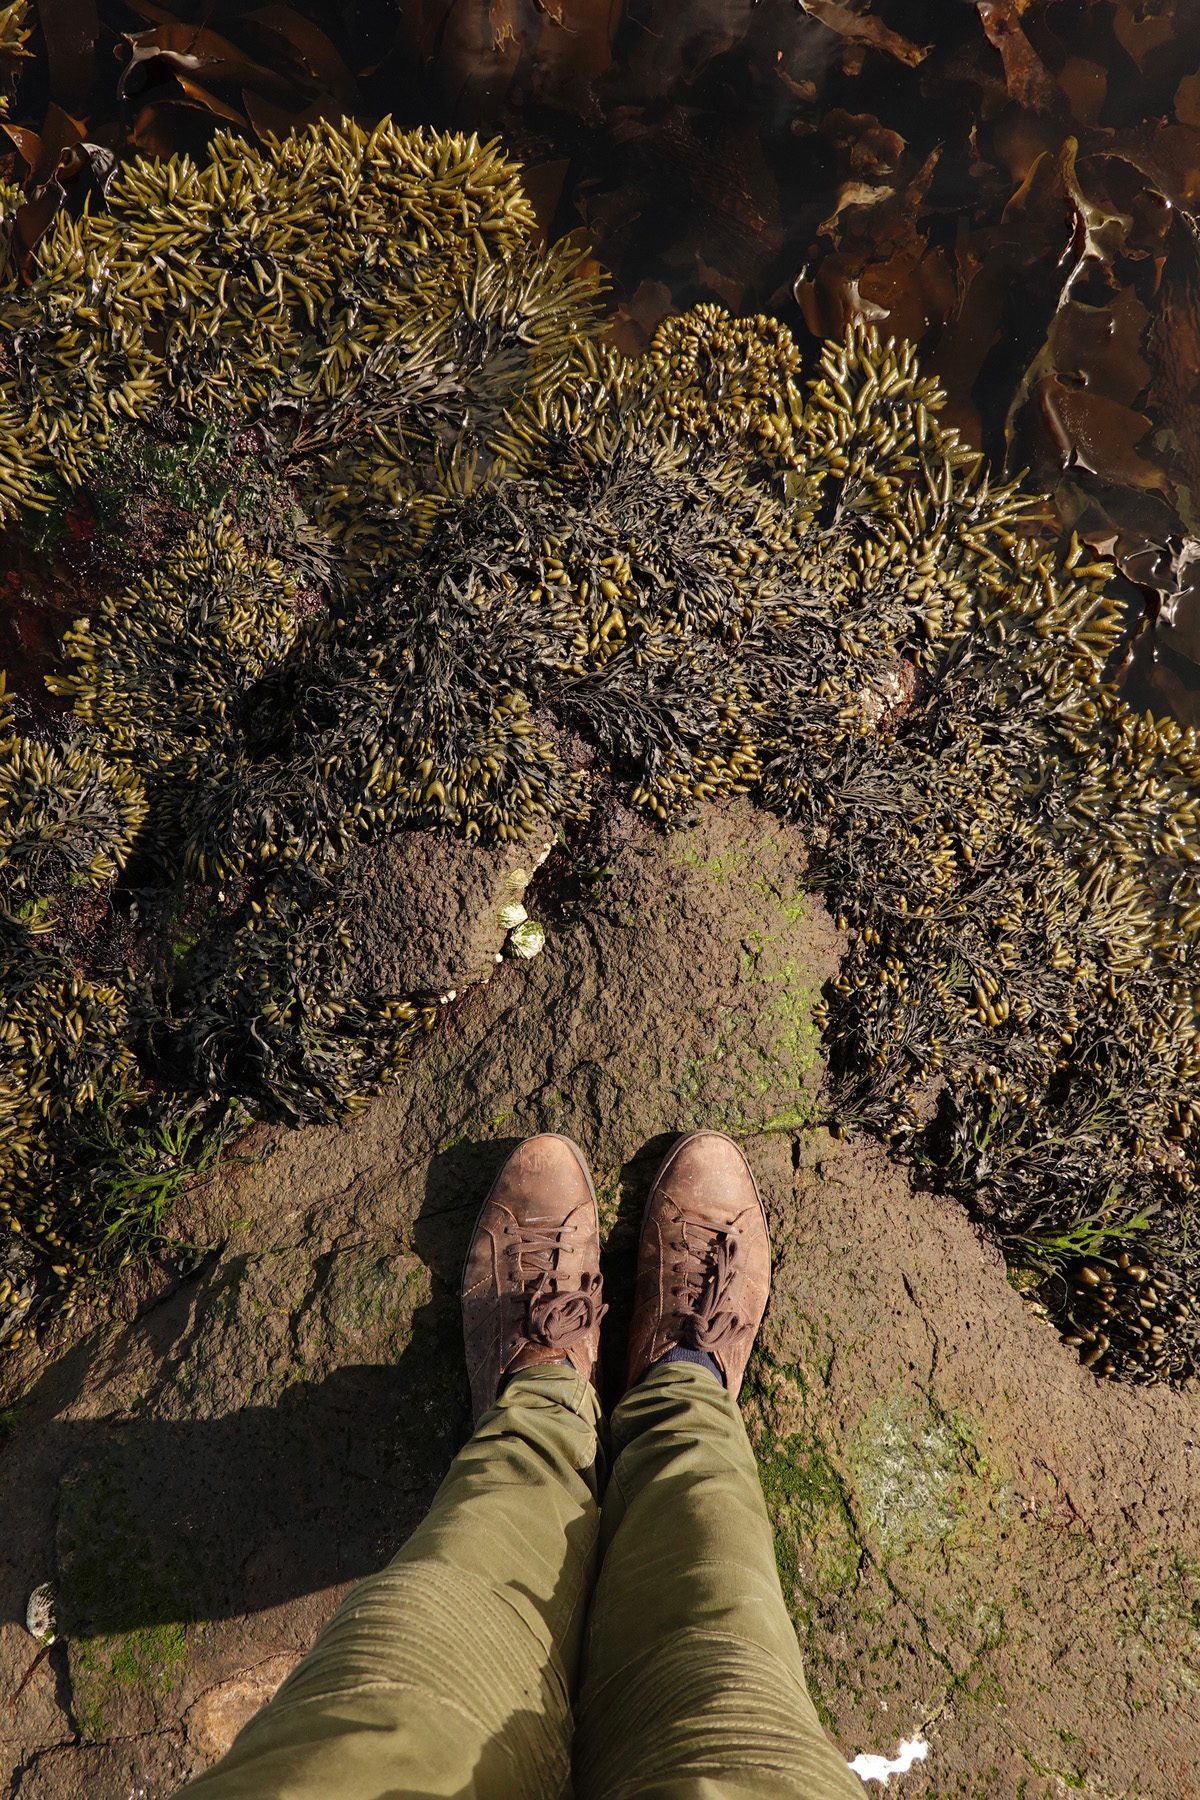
(983, 1548)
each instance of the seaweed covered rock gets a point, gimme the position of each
(69, 817)
(524, 573)
(361, 291)
(172, 673)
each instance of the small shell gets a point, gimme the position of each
(512, 916)
(39, 1614)
(527, 939)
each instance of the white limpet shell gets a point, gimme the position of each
(518, 878)
(39, 1614)
(527, 939)
(512, 916)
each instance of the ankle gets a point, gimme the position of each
(683, 1353)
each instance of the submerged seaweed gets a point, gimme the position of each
(723, 576)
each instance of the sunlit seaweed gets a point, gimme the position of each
(69, 817)
(173, 672)
(726, 577)
(360, 293)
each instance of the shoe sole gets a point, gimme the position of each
(561, 1138)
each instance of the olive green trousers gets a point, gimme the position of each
(545, 1632)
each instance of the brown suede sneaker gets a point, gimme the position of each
(704, 1263)
(531, 1283)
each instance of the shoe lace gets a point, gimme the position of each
(557, 1317)
(710, 1275)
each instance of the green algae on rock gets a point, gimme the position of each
(525, 573)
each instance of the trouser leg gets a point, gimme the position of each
(452, 1671)
(692, 1683)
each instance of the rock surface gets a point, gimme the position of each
(979, 1543)
(425, 911)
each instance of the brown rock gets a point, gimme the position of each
(31, 1714)
(980, 1543)
(425, 911)
(214, 1720)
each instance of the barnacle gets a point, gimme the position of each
(726, 574)
(528, 940)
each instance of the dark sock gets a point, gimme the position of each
(683, 1354)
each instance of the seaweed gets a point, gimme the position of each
(716, 569)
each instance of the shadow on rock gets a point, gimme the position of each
(163, 1521)
(456, 1185)
(618, 1261)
